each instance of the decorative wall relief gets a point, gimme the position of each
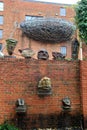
(58, 56)
(66, 103)
(20, 106)
(44, 86)
(43, 54)
(27, 53)
(11, 44)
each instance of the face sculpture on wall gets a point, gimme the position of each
(27, 52)
(20, 106)
(58, 56)
(11, 44)
(43, 54)
(44, 86)
(66, 103)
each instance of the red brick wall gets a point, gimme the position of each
(19, 79)
(84, 51)
(83, 73)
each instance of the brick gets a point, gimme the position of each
(21, 82)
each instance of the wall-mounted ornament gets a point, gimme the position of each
(44, 87)
(27, 53)
(58, 56)
(20, 106)
(75, 49)
(66, 103)
(11, 44)
(43, 54)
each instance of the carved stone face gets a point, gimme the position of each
(57, 55)
(43, 54)
(20, 106)
(66, 103)
(27, 53)
(11, 44)
(20, 102)
(44, 84)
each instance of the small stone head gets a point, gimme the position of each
(66, 103)
(44, 86)
(20, 106)
(20, 102)
(27, 53)
(43, 54)
(45, 83)
(11, 44)
(57, 55)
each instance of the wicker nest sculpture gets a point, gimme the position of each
(51, 30)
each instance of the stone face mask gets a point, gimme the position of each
(43, 54)
(45, 83)
(66, 103)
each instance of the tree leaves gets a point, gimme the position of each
(81, 19)
(7, 126)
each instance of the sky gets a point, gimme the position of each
(61, 1)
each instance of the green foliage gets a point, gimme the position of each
(11, 44)
(7, 126)
(81, 19)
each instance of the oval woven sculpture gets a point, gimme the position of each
(51, 30)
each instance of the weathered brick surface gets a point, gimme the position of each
(84, 51)
(19, 79)
(83, 76)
